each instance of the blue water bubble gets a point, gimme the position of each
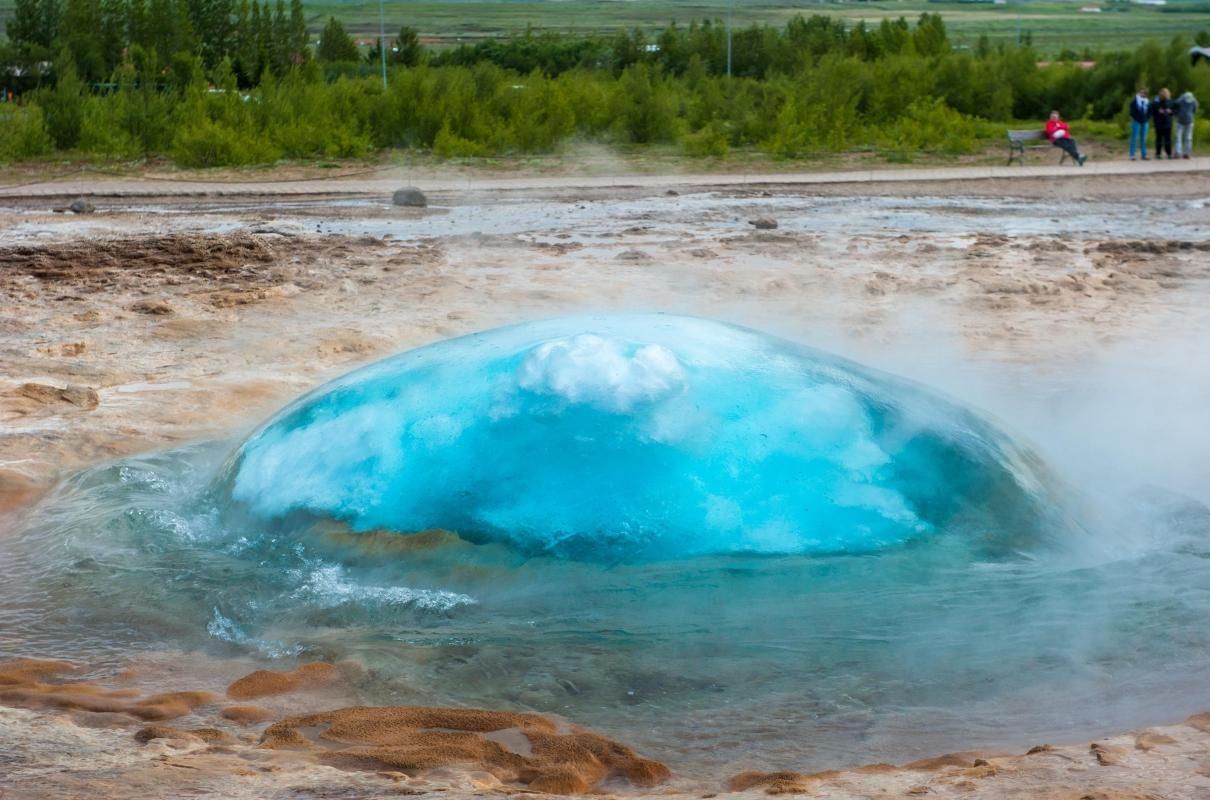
(635, 437)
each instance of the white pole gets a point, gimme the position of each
(730, 5)
(382, 42)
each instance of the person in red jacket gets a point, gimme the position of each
(1060, 136)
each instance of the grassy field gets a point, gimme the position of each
(1053, 26)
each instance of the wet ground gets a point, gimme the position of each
(1078, 322)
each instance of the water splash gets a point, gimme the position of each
(632, 437)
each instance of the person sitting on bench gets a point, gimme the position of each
(1060, 136)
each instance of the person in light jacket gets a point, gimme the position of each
(1186, 112)
(1140, 117)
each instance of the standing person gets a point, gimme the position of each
(1186, 112)
(1140, 116)
(1060, 137)
(1162, 111)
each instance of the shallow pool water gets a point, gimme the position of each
(729, 550)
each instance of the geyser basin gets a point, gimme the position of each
(727, 550)
(633, 437)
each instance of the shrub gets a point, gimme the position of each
(208, 144)
(931, 125)
(448, 144)
(22, 132)
(710, 141)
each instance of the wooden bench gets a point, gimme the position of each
(1017, 145)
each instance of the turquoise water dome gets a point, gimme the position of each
(640, 437)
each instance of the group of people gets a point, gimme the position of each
(1163, 113)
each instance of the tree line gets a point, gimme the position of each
(815, 85)
(99, 36)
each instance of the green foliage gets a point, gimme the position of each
(711, 141)
(813, 87)
(209, 144)
(22, 132)
(335, 44)
(64, 105)
(407, 51)
(931, 125)
(448, 144)
(644, 105)
(34, 22)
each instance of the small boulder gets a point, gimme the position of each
(763, 223)
(159, 308)
(79, 396)
(81, 206)
(633, 255)
(410, 197)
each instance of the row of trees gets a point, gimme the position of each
(97, 36)
(909, 91)
(756, 51)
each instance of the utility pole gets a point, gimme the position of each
(730, 5)
(382, 42)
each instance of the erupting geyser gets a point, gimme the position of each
(640, 437)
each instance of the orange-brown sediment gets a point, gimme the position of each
(267, 682)
(247, 715)
(519, 748)
(208, 735)
(32, 683)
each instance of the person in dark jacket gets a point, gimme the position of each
(1162, 112)
(1060, 137)
(1140, 118)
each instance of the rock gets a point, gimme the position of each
(633, 255)
(763, 223)
(545, 755)
(410, 197)
(1200, 721)
(79, 396)
(208, 735)
(774, 782)
(672, 193)
(1149, 740)
(80, 206)
(154, 307)
(1108, 755)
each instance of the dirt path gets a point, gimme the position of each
(1123, 176)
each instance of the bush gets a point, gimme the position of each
(64, 105)
(930, 125)
(710, 141)
(448, 144)
(208, 144)
(22, 133)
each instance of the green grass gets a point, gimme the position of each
(1054, 26)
